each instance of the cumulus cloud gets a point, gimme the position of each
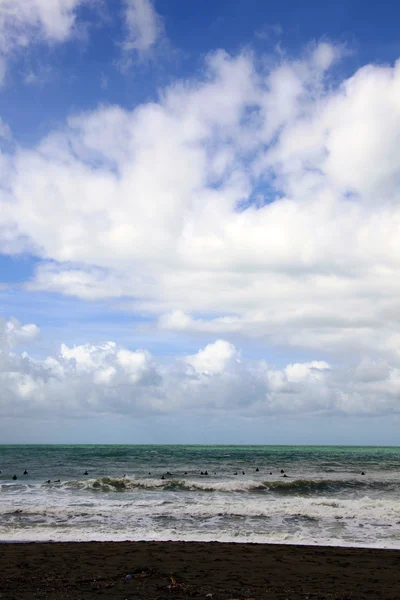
(258, 198)
(214, 358)
(23, 22)
(12, 333)
(106, 378)
(143, 24)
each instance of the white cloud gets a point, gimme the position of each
(109, 379)
(298, 372)
(214, 358)
(23, 22)
(143, 24)
(12, 333)
(250, 200)
(88, 357)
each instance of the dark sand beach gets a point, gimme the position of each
(195, 570)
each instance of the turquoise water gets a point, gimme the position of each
(158, 492)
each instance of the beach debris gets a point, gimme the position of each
(175, 586)
(139, 573)
(100, 583)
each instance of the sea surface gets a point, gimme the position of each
(158, 493)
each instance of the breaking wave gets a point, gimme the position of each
(296, 487)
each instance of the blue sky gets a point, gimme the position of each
(212, 189)
(72, 75)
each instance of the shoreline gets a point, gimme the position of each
(300, 544)
(67, 570)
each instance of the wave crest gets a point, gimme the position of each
(296, 487)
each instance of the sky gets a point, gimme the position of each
(199, 222)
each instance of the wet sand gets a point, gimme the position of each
(62, 571)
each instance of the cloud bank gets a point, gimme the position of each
(106, 378)
(259, 198)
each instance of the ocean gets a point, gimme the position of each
(158, 493)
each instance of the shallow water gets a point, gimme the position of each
(323, 500)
